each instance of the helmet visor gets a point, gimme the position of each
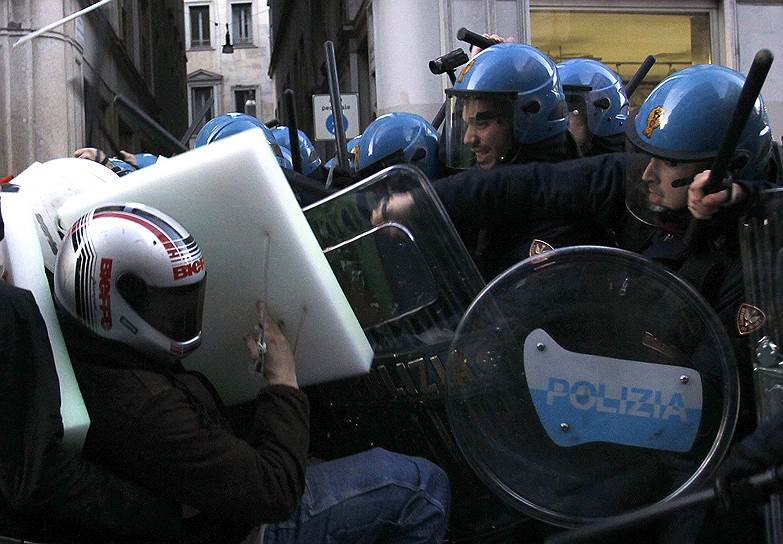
(176, 312)
(477, 131)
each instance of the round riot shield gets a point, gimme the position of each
(761, 236)
(586, 381)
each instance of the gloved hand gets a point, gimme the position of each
(756, 452)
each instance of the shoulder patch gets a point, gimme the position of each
(538, 247)
(749, 318)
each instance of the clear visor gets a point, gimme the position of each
(477, 131)
(176, 312)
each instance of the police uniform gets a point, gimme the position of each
(515, 199)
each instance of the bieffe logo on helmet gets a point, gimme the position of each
(104, 293)
(186, 270)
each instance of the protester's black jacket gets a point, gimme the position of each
(45, 489)
(167, 429)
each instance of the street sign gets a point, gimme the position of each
(323, 120)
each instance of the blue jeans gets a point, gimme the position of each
(373, 496)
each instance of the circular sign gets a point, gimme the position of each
(330, 123)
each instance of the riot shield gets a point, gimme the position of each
(409, 280)
(587, 381)
(761, 238)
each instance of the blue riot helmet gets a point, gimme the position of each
(684, 120)
(396, 138)
(686, 117)
(506, 97)
(143, 160)
(284, 158)
(232, 123)
(120, 167)
(596, 100)
(310, 159)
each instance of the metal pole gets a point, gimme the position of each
(293, 130)
(337, 105)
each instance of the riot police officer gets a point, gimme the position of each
(506, 107)
(311, 162)
(597, 104)
(232, 123)
(648, 198)
(397, 137)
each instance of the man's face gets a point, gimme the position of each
(488, 136)
(658, 178)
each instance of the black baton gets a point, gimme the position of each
(747, 99)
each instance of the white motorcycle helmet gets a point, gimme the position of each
(47, 185)
(132, 274)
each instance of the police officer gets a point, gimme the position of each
(648, 198)
(597, 104)
(396, 138)
(311, 162)
(506, 107)
(232, 123)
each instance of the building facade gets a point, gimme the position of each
(57, 91)
(384, 46)
(229, 78)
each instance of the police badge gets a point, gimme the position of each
(653, 121)
(538, 247)
(749, 318)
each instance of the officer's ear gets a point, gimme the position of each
(603, 103)
(533, 107)
(739, 161)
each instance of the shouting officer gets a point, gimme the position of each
(506, 107)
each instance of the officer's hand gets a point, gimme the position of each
(395, 207)
(130, 158)
(91, 154)
(740, 463)
(278, 364)
(474, 50)
(703, 206)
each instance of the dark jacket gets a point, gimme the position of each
(516, 199)
(167, 430)
(45, 490)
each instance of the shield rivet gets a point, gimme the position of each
(565, 427)
(684, 379)
(540, 346)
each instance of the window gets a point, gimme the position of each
(201, 96)
(241, 96)
(679, 40)
(199, 26)
(242, 18)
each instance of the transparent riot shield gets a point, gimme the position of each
(586, 381)
(761, 237)
(409, 280)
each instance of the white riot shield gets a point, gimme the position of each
(586, 382)
(233, 197)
